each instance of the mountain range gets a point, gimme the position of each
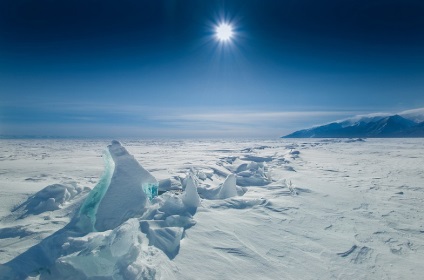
(402, 125)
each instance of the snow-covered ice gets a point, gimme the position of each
(191, 197)
(228, 188)
(278, 209)
(122, 196)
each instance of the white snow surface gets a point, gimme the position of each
(253, 209)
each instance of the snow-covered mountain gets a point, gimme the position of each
(405, 124)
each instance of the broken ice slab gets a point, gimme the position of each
(121, 194)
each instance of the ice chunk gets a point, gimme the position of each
(201, 175)
(167, 239)
(122, 193)
(228, 188)
(190, 197)
(87, 213)
(125, 197)
(253, 174)
(114, 254)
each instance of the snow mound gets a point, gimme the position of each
(294, 154)
(237, 203)
(225, 190)
(168, 217)
(250, 170)
(252, 174)
(51, 198)
(204, 174)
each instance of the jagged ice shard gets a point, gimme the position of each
(190, 197)
(122, 193)
(228, 188)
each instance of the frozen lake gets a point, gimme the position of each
(309, 209)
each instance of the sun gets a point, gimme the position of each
(224, 32)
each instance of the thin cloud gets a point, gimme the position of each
(248, 117)
(128, 120)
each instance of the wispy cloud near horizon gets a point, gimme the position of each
(247, 117)
(103, 120)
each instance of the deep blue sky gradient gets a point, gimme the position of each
(137, 68)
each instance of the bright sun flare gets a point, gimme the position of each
(224, 32)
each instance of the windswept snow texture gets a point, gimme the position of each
(280, 209)
(395, 126)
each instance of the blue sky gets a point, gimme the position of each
(155, 69)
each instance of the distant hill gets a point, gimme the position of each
(394, 126)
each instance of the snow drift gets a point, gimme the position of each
(51, 198)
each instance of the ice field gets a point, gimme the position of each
(227, 209)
